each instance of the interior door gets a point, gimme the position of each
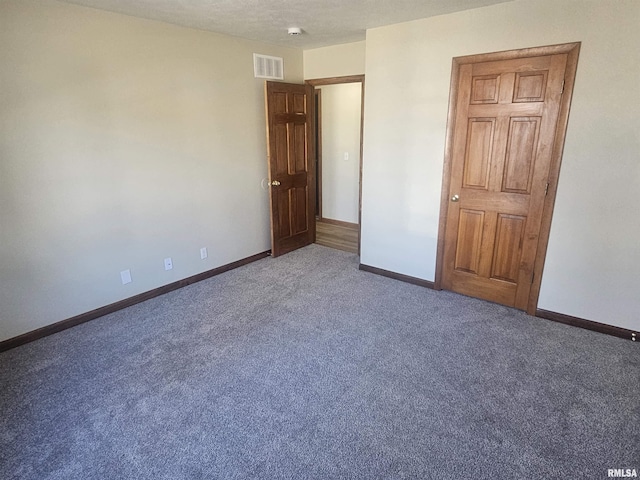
(290, 148)
(505, 124)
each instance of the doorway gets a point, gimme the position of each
(338, 134)
(508, 115)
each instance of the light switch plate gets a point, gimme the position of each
(125, 276)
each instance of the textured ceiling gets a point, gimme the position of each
(324, 22)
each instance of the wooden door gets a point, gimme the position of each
(503, 147)
(290, 157)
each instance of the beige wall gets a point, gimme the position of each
(593, 262)
(335, 61)
(341, 116)
(122, 142)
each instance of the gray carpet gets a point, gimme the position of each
(305, 367)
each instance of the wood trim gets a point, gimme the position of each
(572, 50)
(397, 276)
(340, 223)
(519, 53)
(317, 82)
(311, 154)
(588, 324)
(360, 169)
(127, 302)
(446, 171)
(318, 129)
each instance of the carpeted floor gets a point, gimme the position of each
(304, 367)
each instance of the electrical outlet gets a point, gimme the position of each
(168, 263)
(203, 253)
(125, 276)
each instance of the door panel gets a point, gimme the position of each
(520, 158)
(530, 86)
(504, 126)
(479, 143)
(299, 200)
(470, 230)
(508, 245)
(485, 89)
(290, 149)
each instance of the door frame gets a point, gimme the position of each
(317, 118)
(572, 50)
(319, 82)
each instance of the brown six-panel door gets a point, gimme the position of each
(505, 122)
(290, 149)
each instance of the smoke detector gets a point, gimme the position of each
(294, 31)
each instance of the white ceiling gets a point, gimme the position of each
(324, 22)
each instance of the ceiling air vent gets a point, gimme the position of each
(265, 66)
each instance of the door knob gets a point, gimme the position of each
(455, 198)
(275, 183)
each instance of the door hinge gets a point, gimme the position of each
(562, 90)
(533, 275)
(546, 189)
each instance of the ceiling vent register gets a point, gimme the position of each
(265, 66)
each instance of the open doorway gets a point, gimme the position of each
(338, 132)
